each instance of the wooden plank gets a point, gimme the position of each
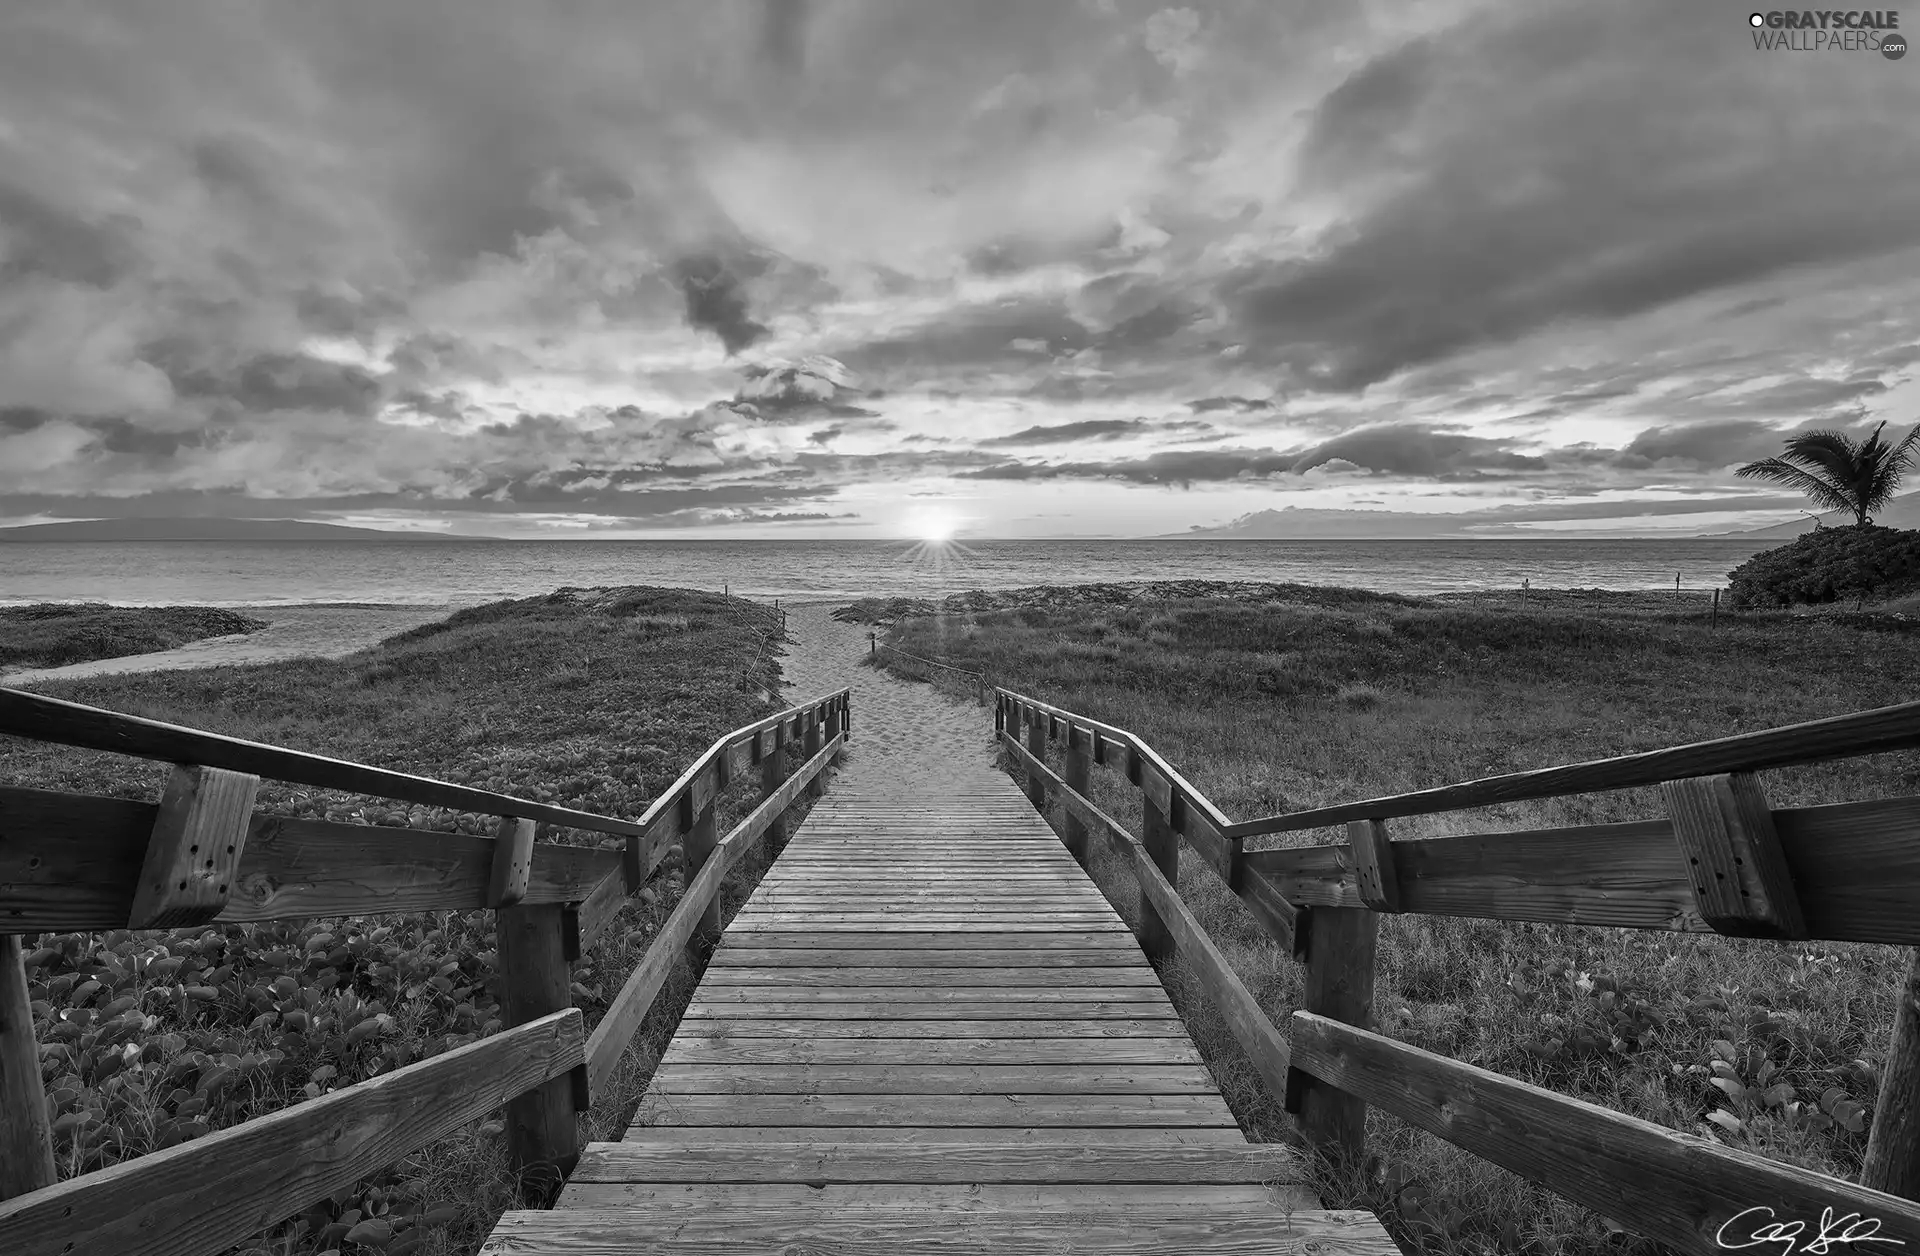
(937, 1135)
(512, 862)
(68, 862)
(735, 976)
(194, 849)
(1678, 1189)
(1145, 753)
(1893, 1144)
(878, 1010)
(957, 1111)
(1855, 868)
(208, 1194)
(1739, 875)
(1275, 909)
(1215, 850)
(724, 996)
(1374, 870)
(929, 1079)
(1150, 1204)
(698, 841)
(1036, 748)
(597, 911)
(1074, 939)
(1077, 768)
(26, 1136)
(934, 1052)
(1246, 1230)
(1003, 954)
(543, 1138)
(1840, 737)
(1059, 1164)
(723, 1028)
(1157, 788)
(73, 724)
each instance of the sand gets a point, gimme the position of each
(291, 632)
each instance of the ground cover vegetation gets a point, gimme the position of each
(1273, 698)
(592, 699)
(54, 634)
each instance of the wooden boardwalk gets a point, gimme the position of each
(927, 1030)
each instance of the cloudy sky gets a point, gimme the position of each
(875, 267)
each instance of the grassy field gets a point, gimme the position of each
(53, 634)
(596, 701)
(1283, 697)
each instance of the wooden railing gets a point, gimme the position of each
(1721, 860)
(203, 854)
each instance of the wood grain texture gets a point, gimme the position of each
(205, 1195)
(543, 1137)
(1377, 875)
(950, 1111)
(1245, 1230)
(1733, 858)
(1893, 1144)
(1840, 737)
(72, 724)
(195, 847)
(1076, 769)
(1678, 1189)
(1339, 987)
(512, 862)
(1854, 866)
(1063, 1163)
(26, 1136)
(69, 862)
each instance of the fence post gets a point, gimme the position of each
(697, 840)
(1037, 747)
(543, 1137)
(1078, 768)
(1893, 1145)
(1341, 942)
(810, 746)
(1162, 844)
(773, 774)
(26, 1133)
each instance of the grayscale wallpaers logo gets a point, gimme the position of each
(1824, 30)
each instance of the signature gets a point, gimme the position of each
(1793, 1236)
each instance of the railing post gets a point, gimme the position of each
(810, 746)
(1079, 766)
(697, 840)
(1037, 747)
(1893, 1144)
(543, 1138)
(26, 1134)
(1162, 844)
(1341, 942)
(773, 774)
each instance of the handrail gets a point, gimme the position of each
(1839, 737)
(1848, 871)
(41, 718)
(76, 862)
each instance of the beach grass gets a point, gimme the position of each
(1273, 698)
(589, 699)
(54, 634)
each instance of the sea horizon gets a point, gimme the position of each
(462, 571)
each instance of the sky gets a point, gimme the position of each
(902, 267)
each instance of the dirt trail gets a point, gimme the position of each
(900, 728)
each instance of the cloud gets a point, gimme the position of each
(1241, 404)
(1414, 450)
(1065, 433)
(716, 303)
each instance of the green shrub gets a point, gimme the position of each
(1831, 565)
(54, 634)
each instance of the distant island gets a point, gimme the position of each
(214, 530)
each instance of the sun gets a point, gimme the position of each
(933, 527)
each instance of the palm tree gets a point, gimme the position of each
(1838, 472)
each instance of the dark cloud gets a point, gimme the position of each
(1240, 404)
(784, 33)
(1415, 450)
(288, 381)
(1573, 162)
(1060, 433)
(976, 336)
(38, 237)
(716, 303)
(1171, 467)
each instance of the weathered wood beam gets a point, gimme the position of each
(1373, 866)
(26, 1136)
(194, 851)
(1739, 874)
(512, 861)
(1893, 1144)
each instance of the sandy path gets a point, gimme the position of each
(292, 632)
(900, 728)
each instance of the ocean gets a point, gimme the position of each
(431, 573)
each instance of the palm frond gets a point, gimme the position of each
(1890, 464)
(1780, 471)
(1832, 452)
